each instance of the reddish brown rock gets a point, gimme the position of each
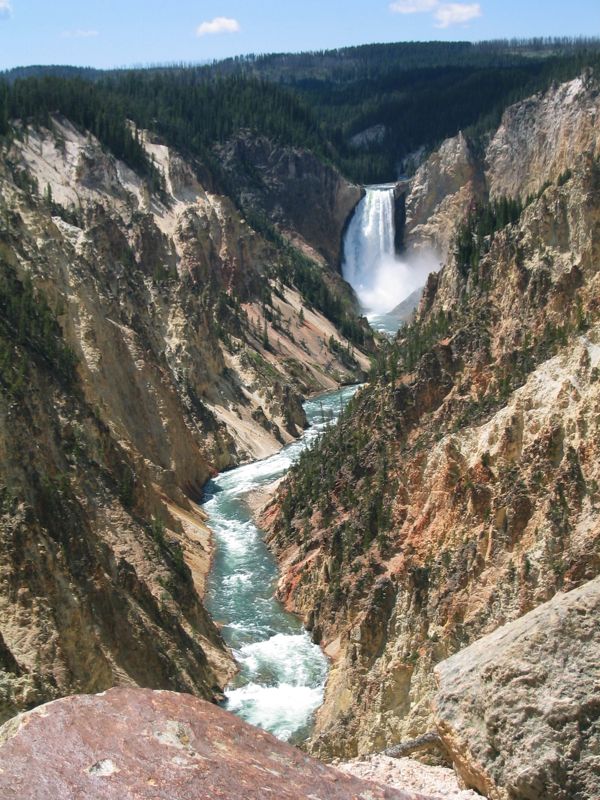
(136, 743)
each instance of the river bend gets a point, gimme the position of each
(282, 673)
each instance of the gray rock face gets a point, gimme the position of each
(296, 191)
(135, 744)
(519, 710)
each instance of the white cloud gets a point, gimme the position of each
(456, 14)
(445, 14)
(79, 34)
(218, 25)
(413, 6)
(5, 8)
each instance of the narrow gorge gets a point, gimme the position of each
(299, 425)
(459, 491)
(172, 341)
(282, 673)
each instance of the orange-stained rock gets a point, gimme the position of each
(469, 476)
(148, 745)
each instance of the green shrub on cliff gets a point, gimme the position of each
(29, 330)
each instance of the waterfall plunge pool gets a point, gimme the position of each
(282, 673)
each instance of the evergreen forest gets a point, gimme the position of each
(407, 97)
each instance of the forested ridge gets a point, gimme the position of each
(430, 92)
(190, 115)
(417, 93)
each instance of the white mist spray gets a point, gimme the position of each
(380, 279)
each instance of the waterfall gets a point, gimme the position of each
(369, 241)
(369, 248)
(379, 277)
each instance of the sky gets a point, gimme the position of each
(110, 33)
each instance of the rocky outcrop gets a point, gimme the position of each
(373, 135)
(405, 311)
(461, 489)
(538, 140)
(128, 744)
(440, 193)
(310, 201)
(519, 710)
(401, 773)
(541, 138)
(193, 347)
(94, 585)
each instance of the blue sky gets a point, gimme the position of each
(106, 33)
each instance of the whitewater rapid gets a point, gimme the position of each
(282, 673)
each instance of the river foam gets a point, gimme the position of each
(282, 672)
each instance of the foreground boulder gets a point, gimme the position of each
(519, 710)
(147, 745)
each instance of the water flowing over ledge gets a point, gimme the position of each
(282, 673)
(369, 250)
(381, 279)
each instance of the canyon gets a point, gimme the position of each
(433, 534)
(459, 490)
(176, 343)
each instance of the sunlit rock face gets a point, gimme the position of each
(537, 140)
(462, 491)
(130, 744)
(192, 354)
(440, 194)
(536, 677)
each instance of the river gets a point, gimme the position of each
(282, 673)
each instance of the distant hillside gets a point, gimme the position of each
(367, 109)
(54, 70)
(420, 92)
